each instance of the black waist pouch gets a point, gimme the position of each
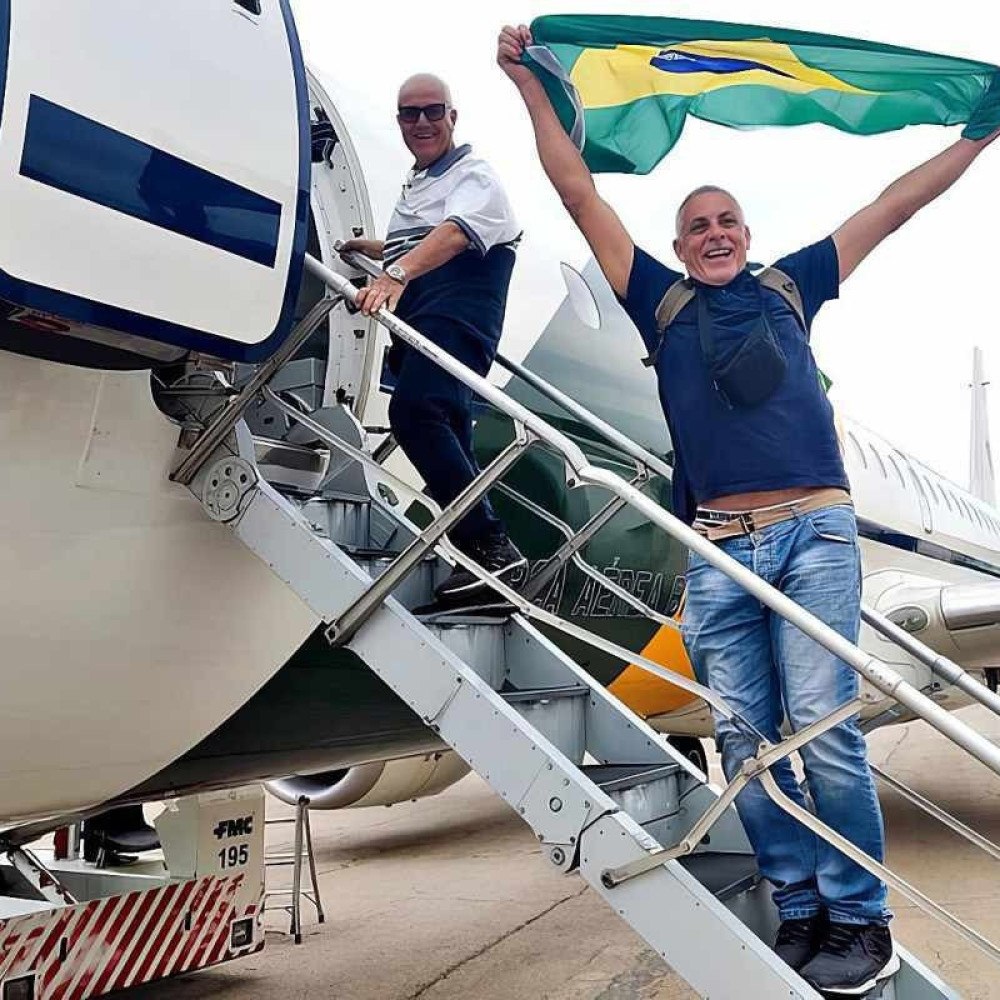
(754, 372)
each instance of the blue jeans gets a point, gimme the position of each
(769, 671)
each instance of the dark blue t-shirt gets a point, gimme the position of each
(460, 305)
(788, 440)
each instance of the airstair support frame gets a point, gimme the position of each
(578, 821)
(574, 819)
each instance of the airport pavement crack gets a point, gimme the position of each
(489, 946)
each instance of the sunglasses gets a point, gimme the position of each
(409, 114)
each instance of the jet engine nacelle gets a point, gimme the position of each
(383, 783)
(957, 620)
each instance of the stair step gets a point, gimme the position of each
(479, 642)
(724, 875)
(558, 713)
(648, 793)
(487, 614)
(619, 777)
(415, 590)
(345, 521)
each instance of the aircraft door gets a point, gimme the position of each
(154, 168)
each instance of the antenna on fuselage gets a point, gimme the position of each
(981, 482)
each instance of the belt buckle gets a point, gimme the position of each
(747, 522)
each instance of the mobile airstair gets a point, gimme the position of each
(605, 795)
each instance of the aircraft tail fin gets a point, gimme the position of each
(981, 480)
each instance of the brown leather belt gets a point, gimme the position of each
(718, 524)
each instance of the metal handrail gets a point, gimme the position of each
(941, 666)
(941, 815)
(231, 413)
(580, 471)
(652, 462)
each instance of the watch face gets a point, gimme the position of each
(396, 273)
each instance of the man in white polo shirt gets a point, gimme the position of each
(449, 256)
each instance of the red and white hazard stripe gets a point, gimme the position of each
(105, 945)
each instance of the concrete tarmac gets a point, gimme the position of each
(451, 897)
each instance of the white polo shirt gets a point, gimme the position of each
(459, 188)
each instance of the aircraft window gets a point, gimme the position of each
(857, 450)
(899, 472)
(253, 6)
(878, 460)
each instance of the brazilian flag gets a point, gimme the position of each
(623, 86)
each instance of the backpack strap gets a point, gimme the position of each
(777, 281)
(678, 295)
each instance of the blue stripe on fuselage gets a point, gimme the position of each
(82, 157)
(923, 547)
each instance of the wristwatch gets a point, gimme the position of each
(397, 273)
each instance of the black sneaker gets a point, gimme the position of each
(852, 959)
(798, 941)
(498, 556)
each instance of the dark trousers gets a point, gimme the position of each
(431, 417)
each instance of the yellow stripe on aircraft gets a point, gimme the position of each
(645, 693)
(605, 78)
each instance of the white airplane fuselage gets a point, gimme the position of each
(131, 625)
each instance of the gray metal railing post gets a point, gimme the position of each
(571, 546)
(217, 431)
(877, 869)
(361, 610)
(768, 754)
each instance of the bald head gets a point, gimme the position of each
(429, 119)
(424, 85)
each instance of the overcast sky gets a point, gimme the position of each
(898, 344)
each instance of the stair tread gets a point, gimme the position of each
(617, 777)
(722, 874)
(485, 615)
(515, 695)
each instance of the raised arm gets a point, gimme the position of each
(901, 200)
(595, 218)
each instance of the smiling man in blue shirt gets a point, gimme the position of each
(449, 256)
(759, 472)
